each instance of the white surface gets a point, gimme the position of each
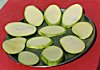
(2, 3)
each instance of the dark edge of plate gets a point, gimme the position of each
(76, 57)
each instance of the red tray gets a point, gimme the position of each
(13, 11)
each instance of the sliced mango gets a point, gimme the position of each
(72, 15)
(52, 15)
(33, 15)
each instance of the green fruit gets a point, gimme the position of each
(52, 15)
(33, 15)
(51, 31)
(39, 42)
(52, 55)
(14, 45)
(72, 44)
(20, 29)
(82, 29)
(28, 58)
(72, 15)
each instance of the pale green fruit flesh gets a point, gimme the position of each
(28, 58)
(52, 15)
(52, 55)
(14, 45)
(33, 15)
(72, 44)
(72, 15)
(82, 29)
(51, 31)
(20, 29)
(39, 42)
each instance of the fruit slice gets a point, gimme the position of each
(82, 29)
(72, 15)
(39, 42)
(14, 45)
(51, 31)
(33, 15)
(20, 29)
(52, 15)
(28, 58)
(52, 55)
(72, 44)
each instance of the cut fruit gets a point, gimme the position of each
(39, 42)
(72, 15)
(33, 15)
(52, 15)
(52, 55)
(20, 29)
(82, 29)
(14, 45)
(28, 58)
(72, 44)
(51, 31)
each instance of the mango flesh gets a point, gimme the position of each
(28, 58)
(52, 15)
(14, 45)
(82, 29)
(39, 42)
(52, 55)
(72, 44)
(72, 15)
(33, 15)
(51, 31)
(20, 29)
